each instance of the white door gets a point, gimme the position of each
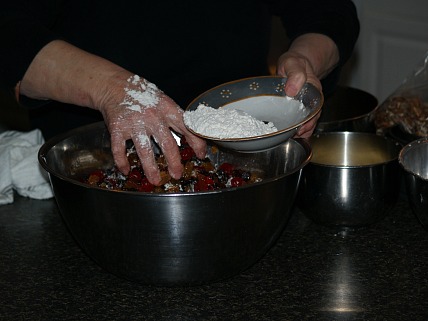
(393, 40)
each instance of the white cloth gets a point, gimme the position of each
(19, 167)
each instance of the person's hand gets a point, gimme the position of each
(143, 112)
(298, 71)
(309, 58)
(132, 107)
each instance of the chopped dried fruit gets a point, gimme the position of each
(199, 175)
(187, 153)
(135, 175)
(95, 177)
(146, 186)
(227, 168)
(237, 181)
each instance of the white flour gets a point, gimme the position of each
(225, 123)
(140, 95)
(145, 94)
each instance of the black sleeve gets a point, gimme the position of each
(336, 19)
(24, 30)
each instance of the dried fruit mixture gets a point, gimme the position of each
(199, 175)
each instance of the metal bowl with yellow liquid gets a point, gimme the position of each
(352, 180)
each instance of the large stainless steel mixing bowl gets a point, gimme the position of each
(169, 239)
(414, 160)
(353, 179)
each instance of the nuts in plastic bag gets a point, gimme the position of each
(407, 106)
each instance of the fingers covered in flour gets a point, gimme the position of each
(148, 162)
(118, 149)
(170, 150)
(145, 113)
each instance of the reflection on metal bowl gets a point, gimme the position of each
(414, 160)
(399, 134)
(347, 109)
(353, 179)
(168, 239)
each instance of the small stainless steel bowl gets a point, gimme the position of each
(348, 109)
(172, 239)
(263, 98)
(414, 160)
(352, 180)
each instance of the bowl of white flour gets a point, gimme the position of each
(251, 114)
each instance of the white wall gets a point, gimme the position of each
(393, 39)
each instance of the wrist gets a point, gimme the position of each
(319, 50)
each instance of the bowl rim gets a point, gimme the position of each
(351, 133)
(48, 145)
(406, 148)
(311, 115)
(367, 114)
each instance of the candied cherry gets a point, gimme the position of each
(227, 168)
(187, 153)
(146, 186)
(135, 175)
(204, 183)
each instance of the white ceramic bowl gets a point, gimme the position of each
(264, 99)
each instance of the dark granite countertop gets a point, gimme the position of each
(312, 273)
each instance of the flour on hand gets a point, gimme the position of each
(140, 93)
(225, 123)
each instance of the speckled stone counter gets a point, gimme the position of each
(312, 273)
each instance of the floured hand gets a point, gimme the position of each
(132, 107)
(145, 112)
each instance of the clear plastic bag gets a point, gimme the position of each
(407, 106)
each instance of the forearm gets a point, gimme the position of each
(319, 50)
(336, 19)
(63, 72)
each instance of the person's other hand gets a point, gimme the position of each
(309, 58)
(298, 71)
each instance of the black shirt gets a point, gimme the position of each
(184, 47)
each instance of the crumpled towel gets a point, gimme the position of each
(19, 167)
